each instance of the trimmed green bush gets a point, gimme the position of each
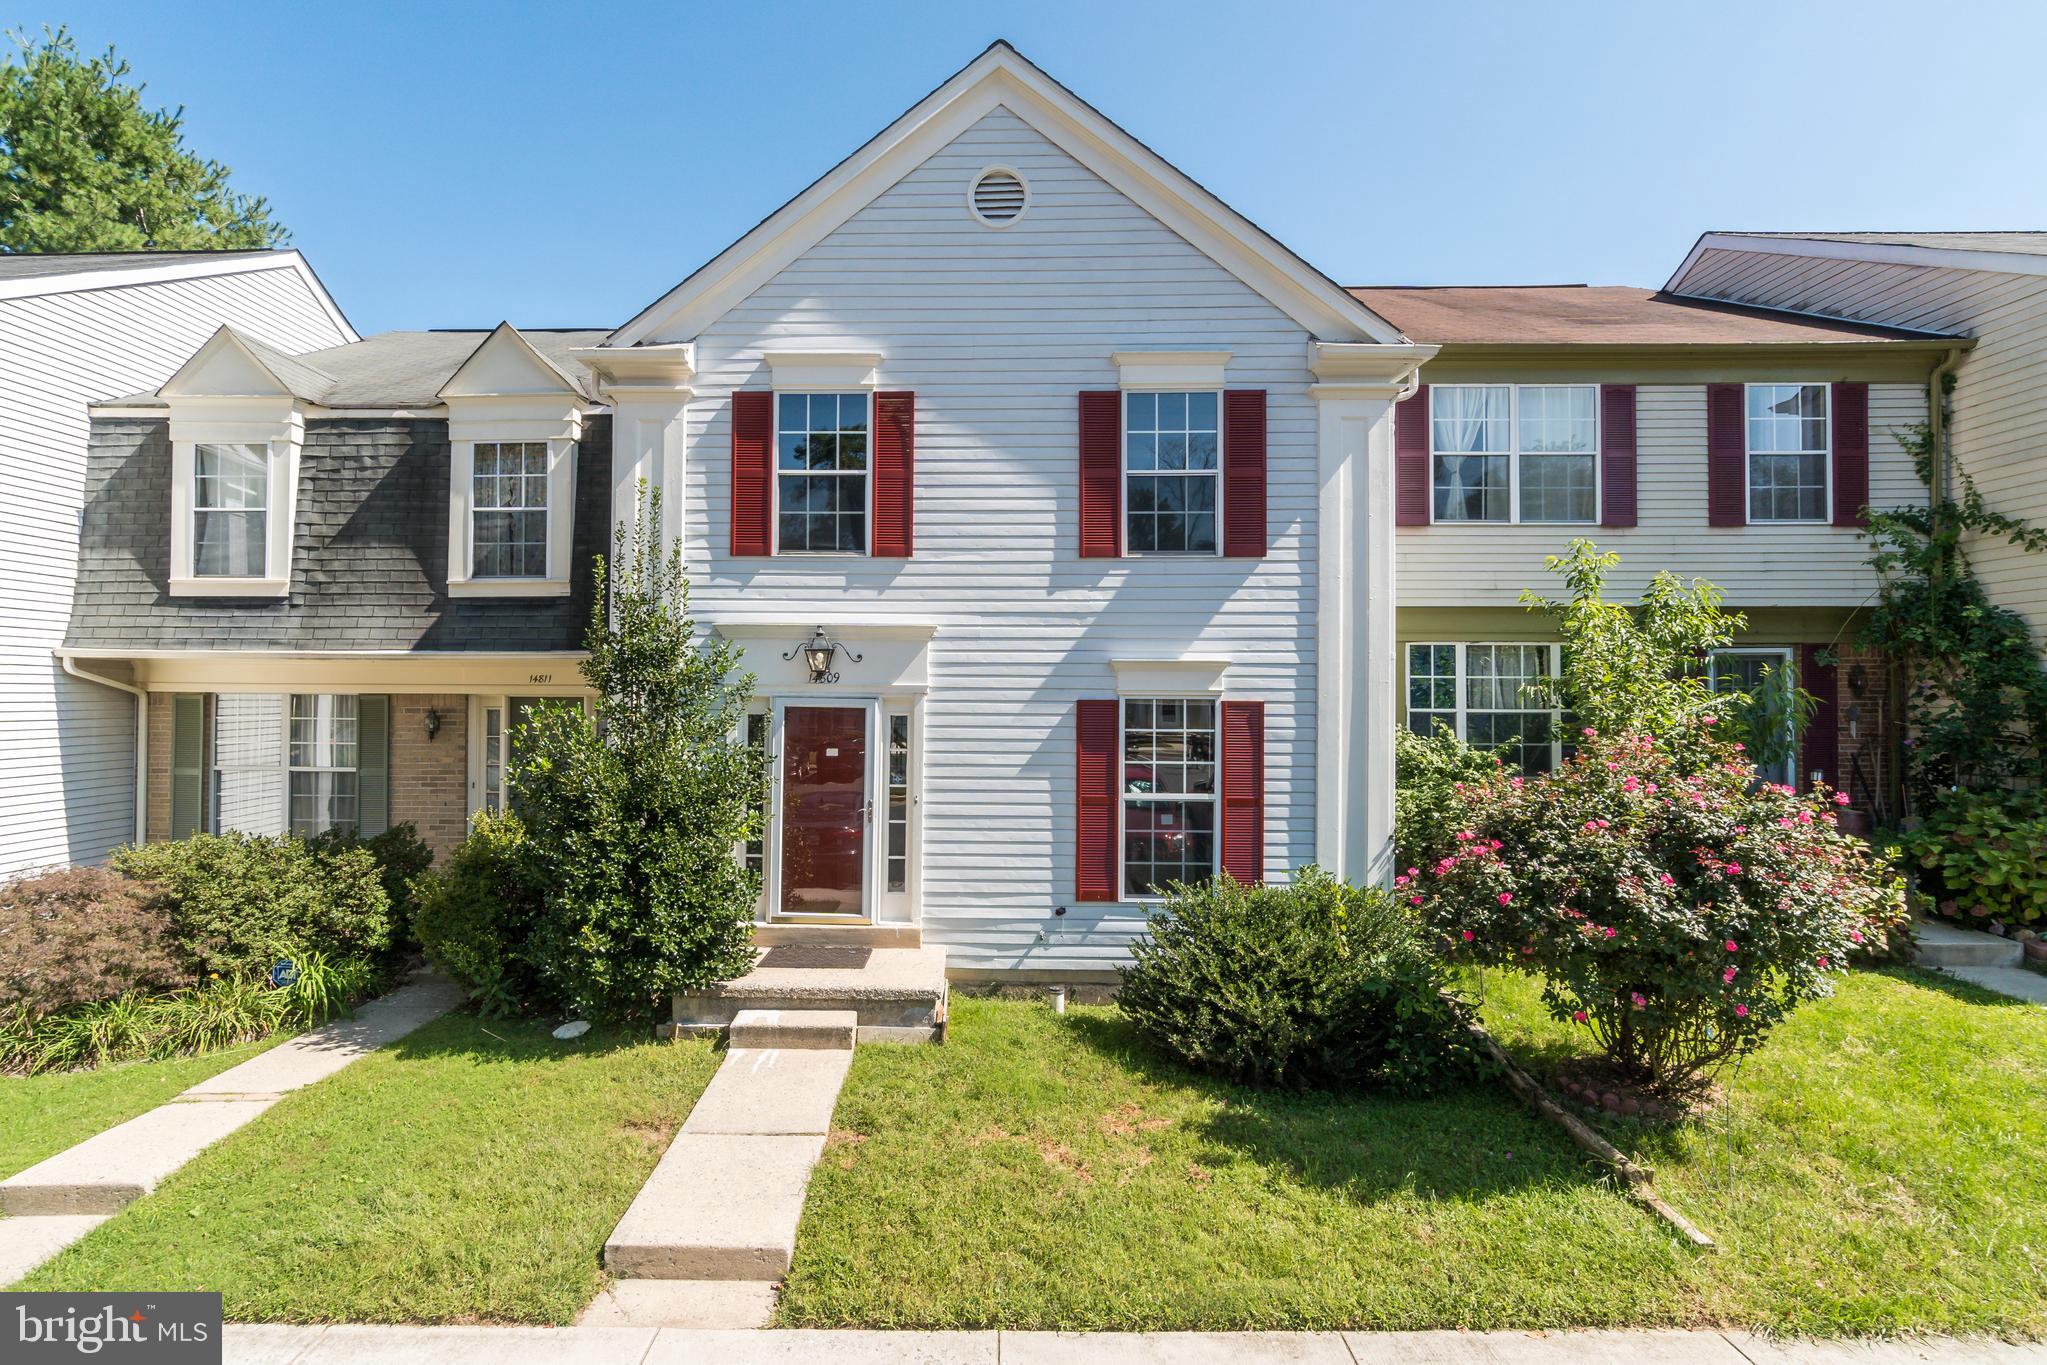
(240, 903)
(1983, 857)
(476, 913)
(402, 858)
(1312, 985)
(1427, 771)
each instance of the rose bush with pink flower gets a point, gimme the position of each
(1675, 906)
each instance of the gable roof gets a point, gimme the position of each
(232, 363)
(25, 274)
(2010, 253)
(1002, 76)
(1606, 315)
(507, 343)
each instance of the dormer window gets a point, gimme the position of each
(509, 507)
(230, 506)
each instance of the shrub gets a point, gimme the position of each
(632, 814)
(73, 937)
(239, 903)
(402, 858)
(1316, 984)
(1676, 907)
(477, 912)
(1984, 857)
(1426, 771)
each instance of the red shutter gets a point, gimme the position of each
(1244, 473)
(1617, 454)
(1101, 474)
(1243, 784)
(1820, 749)
(753, 441)
(1411, 459)
(895, 468)
(1094, 782)
(1851, 454)
(1726, 457)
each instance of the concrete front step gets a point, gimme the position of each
(718, 1206)
(2017, 982)
(1945, 945)
(793, 1029)
(111, 1170)
(840, 935)
(898, 996)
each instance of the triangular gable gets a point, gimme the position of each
(1001, 76)
(505, 363)
(231, 365)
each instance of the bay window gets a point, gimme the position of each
(1169, 793)
(1514, 452)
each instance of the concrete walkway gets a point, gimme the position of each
(61, 1198)
(674, 1346)
(1981, 959)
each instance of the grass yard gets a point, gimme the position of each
(469, 1173)
(1044, 1172)
(42, 1115)
(1878, 1166)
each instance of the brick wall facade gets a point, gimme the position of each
(430, 777)
(157, 824)
(1863, 725)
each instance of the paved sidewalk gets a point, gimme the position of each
(61, 1198)
(676, 1346)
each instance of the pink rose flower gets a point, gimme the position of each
(1666, 879)
(1823, 962)
(1741, 1011)
(1611, 932)
(1400, 881)
(1414, 900)
(1733, 947)
(1579, 1015)
(1855, 936)
(1506, 898)
(1840, 798)
(1728, 975)
(1640, 1000)
(1469, 936)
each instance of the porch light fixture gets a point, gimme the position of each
(432, 723)
(817, 654)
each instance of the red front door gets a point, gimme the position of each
(824, 809)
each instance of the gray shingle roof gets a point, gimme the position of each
(22, 265)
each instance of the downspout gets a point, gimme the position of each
(141, 737)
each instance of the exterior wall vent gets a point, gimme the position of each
(999, 197)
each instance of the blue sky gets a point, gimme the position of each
(452, 164)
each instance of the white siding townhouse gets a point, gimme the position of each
(75, 329)
(1086, 494)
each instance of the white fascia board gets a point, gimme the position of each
(1876, 253)
(1001, 77)
(1186, 675)
(793, 370)
(121, 277)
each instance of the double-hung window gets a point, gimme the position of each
(1486, 695)
(509, 509)
(1169, 796)
(1172, 458)
(1769, 722)
(1787, 452)
(1514, 452)
(323, 792)
(230, 510)
(821, 483)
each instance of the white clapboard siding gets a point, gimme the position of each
(997, 331)
(68, 746)
(1758, 566)
(2000, 400)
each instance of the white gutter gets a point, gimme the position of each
(141, 738)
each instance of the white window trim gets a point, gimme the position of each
(1787, 657)
(279, 427)
(1125, 471)
(1748, 457)
(775, 472)
(1464, 676)
(1170, 370)
(209, 817)
(561, 512)
(1124, 895)
(479, 703)
(1514, 454)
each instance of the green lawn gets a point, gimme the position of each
(1040, 1172)
(469, 1173)
(42, 1115)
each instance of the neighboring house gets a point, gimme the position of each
(1084, 488)
(1989, 287)
(75, 329)
(1727, 443)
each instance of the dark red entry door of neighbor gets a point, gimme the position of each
(824, 809)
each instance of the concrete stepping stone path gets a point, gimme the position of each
(1981, 959)
(61, 1198)
(714, 1228)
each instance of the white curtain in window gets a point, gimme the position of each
(1470, 419)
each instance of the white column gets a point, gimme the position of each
(1356, 671)
(647, 442)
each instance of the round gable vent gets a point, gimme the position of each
(999, 196)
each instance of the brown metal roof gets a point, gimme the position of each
(1604, 315)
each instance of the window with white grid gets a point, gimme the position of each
(323, 793)
(1169, 793)
(821, 473)
(510, 509)
(230, 501)
(1514, 452)
(1485, 694)
(1172, 450)
(1787, 452)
